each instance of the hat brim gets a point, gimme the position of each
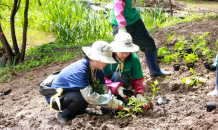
(116, 48)
(89, 52)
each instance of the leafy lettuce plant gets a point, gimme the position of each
(169, 58)
(191, 58)
(163, 51)
(177, 55)
(207, 54)
(192, 80)
(180, 45)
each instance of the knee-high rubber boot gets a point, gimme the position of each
(63, 117)
(215, 91)
(153, 65)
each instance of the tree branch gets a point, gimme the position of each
(24, 31)
(6, 46)
(13, 35)
(7, 6)
(18, 6)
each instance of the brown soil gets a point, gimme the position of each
(24, 108)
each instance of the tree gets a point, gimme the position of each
(171, 10)
(16, 56)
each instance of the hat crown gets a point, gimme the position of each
(100, 51)
(101, 47)
(123, 43)
(123, 39)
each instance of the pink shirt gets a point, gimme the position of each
(119, 12)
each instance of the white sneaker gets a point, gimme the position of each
(214, 92)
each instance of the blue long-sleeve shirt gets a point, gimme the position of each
(76, 76)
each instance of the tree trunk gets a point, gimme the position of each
(6, 46)
(171, 11)
(13, 35)
(24, 31)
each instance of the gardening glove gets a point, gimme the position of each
(120, 91)
(116, 103)
(141, 98)
(122, 29)
(59, 92)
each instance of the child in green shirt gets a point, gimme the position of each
(127, 71)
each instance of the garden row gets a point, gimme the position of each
(189, 51)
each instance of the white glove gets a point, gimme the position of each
(120, 91)
(139, 96)
(116, 103)
(122, 29)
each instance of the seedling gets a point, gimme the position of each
(163, 51)
(176, 55)
(154, 87)
(97, 87)
(179, 46)
(167, 77)
(216, 44)
(207, 54)
(199, 42)
(169, 58)
(192, 80)
(131, 109)
(170, 38)
(191, 58)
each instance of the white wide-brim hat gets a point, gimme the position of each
(100, 51)
(123, 43)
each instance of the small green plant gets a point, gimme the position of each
(169, 58)
(97, 87)
(167, 77)
(191, 58)
(163, 51)
(199, 41)
(177, 56)
(180, 45)
(131, 109)
(192, 80)
(169, 37)
(207, 54)
(154, 87)
(216, 45)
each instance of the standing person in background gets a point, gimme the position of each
(126, 73)
(215, 91)
(125, 18)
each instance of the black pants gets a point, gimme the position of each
(72, 100)
(125, 80)
(140, 36)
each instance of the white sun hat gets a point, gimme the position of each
(100, 51)
(123, 43)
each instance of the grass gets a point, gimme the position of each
(173, 21)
